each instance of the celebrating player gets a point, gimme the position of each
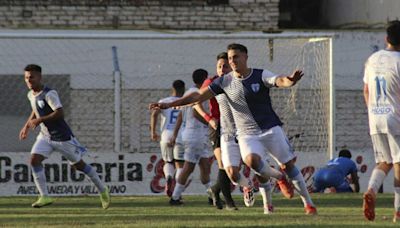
(170, 152)
(258, 127)
(54, 134)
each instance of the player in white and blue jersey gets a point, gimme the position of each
(195, 141)
(382, 97)
(258, 127)
(55, 135)
(171, 148)
(334, 174)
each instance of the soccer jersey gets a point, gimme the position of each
(168, 121)
(343, 165)
(43, 104)
(383, 78)
(228, 128)
(249, 100)
(214, 108)
(193, 129)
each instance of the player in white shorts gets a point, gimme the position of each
(170, 152)
(54, 134)
(195, 141)
(258, 126)
(382, 97)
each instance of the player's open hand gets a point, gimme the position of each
(296, 76)
(23, 133)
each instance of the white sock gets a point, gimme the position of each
(266, 193)
(40, 180)
(169, 170)
(376, 180)
(179, 188)
(267, 171)
(301, 188)
(397, 199)
(178, 172)
(94, 177)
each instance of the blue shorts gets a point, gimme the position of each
(328, 177)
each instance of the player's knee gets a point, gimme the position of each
(253, 161)
(36, 160)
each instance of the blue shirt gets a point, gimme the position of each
(345, 165)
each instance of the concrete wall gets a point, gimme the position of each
(359, 13)
(152, 14)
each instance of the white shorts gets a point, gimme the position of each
(169, 154)
(386, 148)
(230, 152)
(195, 150)
(273, 141)
(72, 150)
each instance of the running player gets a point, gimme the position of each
(194, 136)
(382, 97)
(258, 127)
(54, 134)
(170, 152)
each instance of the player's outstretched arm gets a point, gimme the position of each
(55, 115)
(153, 124)
(25, 129)
(289, 80)
(200, 96)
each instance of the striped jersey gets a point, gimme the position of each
(249, 100)
(43, 104)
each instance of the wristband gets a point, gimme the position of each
(207, 117)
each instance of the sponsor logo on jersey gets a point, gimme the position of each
(382, 110)
(40, 103)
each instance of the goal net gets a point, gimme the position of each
(81, 68)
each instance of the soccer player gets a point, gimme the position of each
(170, 152)
(223, 182)
(258, 127)
(334, 174)
(54, 134)
(195, 142)
(382, 97)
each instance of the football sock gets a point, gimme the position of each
(300, 186)
(397, 199)
(178, 172)
(169, 170)
(40, 179)
(179, 188)
(266, 193)
(265, 170)
(376, 180)
(216, 188)
(225, 184)
(94, 177)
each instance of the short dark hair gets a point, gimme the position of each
(33, 67)
(345, 153)
(199, 76)
(178, 85)
(235, 46)
(393, 32)
(222, 55)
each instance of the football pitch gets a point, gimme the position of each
(334, 210)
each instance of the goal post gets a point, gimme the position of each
(149, 62)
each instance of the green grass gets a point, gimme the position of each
(334, 210)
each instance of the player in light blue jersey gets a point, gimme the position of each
(171, 148)
(334, 174)
(258, 127)
(55, 134)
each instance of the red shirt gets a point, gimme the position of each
(214, 108)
